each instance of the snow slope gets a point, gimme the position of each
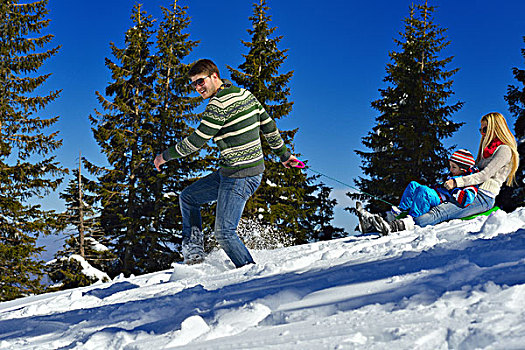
(458, 285)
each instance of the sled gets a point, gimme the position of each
(405, 214)
(470, 217)
(485, 213)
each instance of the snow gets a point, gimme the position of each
(459, 285)
(96, 245)
(270, 183)
(87, 268)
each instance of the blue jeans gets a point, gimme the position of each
(450, 210)
(231, 195)
(417, 199)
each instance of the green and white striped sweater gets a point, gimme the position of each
(233, 118)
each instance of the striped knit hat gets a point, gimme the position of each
(463, 158)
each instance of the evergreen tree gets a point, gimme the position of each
(70, 273)
(80, 212)
(27, 168)
(319, 224)
(286, 196)
(124, 133)
(512, 197)
(86, 240)
(149, 112)
(173, 112)
(414, 114)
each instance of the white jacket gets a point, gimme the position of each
(494, 171)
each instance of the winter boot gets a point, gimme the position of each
(381, 225)
(407, 223)
(365, 219)
(193, 247)
(386, 228)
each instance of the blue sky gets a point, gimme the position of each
(338, 51)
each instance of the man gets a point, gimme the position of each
(233, 118)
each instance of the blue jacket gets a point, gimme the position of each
(463, 196)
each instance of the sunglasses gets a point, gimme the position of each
(483, 130)
(199, 82)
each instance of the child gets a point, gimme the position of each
(419, 199)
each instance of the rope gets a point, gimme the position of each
(352, 187)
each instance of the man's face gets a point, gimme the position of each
(204, 84)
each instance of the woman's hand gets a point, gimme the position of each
(450, 184)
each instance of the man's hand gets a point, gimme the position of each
(291, 162)
(158, 162)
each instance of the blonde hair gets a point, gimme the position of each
(497, 128)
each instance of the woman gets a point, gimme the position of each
(497, 160)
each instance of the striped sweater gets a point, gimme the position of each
(234, 118)
(464, 196)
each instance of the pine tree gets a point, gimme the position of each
(512, 197)
(124, 134)
(149, 112)
(173, 112)
(286, 196)
(414, 115)
(319, 224)
(69, 273)
(28, 168)
(80, 211)
(86, 240)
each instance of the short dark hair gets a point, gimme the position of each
(205, 66)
